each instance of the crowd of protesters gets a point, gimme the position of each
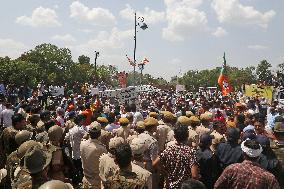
(166, 140)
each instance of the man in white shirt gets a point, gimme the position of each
(40, 91)
(74, 136)
(2, 105)
(2, 88)
(6, 116)
(60, 116)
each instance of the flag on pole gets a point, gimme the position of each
(223, 79)
(130, 61)
(145, 61)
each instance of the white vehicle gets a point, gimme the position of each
(279, 95)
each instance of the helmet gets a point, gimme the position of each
(25, 146)
(23, 136)
(55, 133)
(36, 159)
(56, 184)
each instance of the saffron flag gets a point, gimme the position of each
(223, 79)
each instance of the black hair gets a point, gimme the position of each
(87, 105)
(49, 124)
(260, 118)
(94, 134)
(216, 124)
(34, 119)
(35, 109)
(95, 116)
(192, 184)
(44, 115)
(181, 133)
(252, 144)
(204, 121)
(79, 118)
(133, 108)
(127, 108)
(28, 108)
(24, 105)
(241, 118)
(111, 117)
(123, 155)
(8, 105)
(16, 118)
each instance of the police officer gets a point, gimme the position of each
(164, 129)
(218, 137)
(182, 120)
(23, 136)
(193, 135)
(105, 135)
(107, 165)
(124, 131)
(57, 163)
(16, 171)
(151, 154)
(205, 123)
(7, 138)
(125, 177)
(138, 148)
(279, 148)
(36, 162)
(56, 184)
(91, 150)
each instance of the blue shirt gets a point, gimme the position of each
(271, 119)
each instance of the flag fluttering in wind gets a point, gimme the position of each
(130, 61)
(223, 79)
(145, 61)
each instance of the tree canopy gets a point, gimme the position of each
(55, 66)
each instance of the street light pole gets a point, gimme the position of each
(134, 54)
(141, 68)
(96, 57)
(143, 26)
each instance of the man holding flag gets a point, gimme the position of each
(223, 80)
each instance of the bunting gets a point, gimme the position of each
(130, 61)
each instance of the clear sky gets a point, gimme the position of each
(182, 34)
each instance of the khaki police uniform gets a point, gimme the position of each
(107, 166)
(162, 135)
(91, 150)
(216, 140)
(201, 129)
(124, 132)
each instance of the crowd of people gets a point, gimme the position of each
(168, 140)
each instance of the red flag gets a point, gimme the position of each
(223, 80)
(145, 61)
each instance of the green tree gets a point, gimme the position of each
(84, 59)
(263, 71)
(281, 68)
(54, 63)
(18, 72)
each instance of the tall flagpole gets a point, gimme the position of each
(134, 53)
(224, 59)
